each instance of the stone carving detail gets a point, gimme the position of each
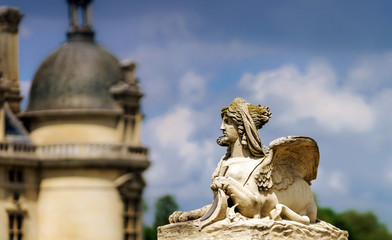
(130, 185)
(254, 182)
(9, 19)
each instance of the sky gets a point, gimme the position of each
(323, 67)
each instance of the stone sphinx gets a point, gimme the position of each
(258, 190)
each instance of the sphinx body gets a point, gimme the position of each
(255, 181)
(258, 189)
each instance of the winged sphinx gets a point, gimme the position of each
(255, 181)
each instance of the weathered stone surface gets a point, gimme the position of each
(252, 229)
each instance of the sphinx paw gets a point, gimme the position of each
(221, 183)
(176, 217)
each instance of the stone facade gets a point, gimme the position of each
(71, 172)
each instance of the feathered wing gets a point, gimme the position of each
(293, 157)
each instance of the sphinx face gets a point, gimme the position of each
(230, 131)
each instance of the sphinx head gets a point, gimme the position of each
(242, 120)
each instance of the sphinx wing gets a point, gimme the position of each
(293, 157)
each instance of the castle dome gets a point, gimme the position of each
(75, 78)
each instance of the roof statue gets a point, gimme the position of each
(256, 184)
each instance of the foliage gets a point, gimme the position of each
(164, 207)
(149, 233)
(360, 225)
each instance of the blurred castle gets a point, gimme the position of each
(71, 163)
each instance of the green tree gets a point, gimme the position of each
(150, 233)
(364, 226)
(164, 207)
(360, 225)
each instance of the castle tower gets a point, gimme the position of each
(9, 50)
(81, 177)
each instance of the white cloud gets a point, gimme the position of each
(192, 87)
(165, 64)
(169, 50)
(178, 68)
(331, 182)
(24, 86)
(382, 105)
(313, 94)
(371, 72)
(174, 128)
(175, 151)
(338, 181)
(181, 164)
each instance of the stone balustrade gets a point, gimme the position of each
(73, 151)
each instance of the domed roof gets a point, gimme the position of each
(78, 75)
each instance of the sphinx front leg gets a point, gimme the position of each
(248, 203)
(180, 216)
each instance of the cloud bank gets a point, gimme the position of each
(184, 160)
(315, 94)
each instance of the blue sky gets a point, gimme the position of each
(323, 67)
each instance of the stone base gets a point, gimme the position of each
(253, 229)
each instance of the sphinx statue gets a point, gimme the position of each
(253, 182)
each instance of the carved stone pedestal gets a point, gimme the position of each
(253, 229)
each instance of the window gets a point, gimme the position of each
(15, 224)
(131, 219)
(15, 175)
(15, 187)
